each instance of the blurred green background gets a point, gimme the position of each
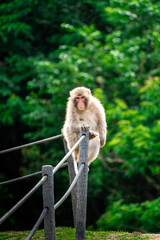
(112, 47)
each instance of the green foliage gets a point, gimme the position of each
(112, 47)
(138, 131)
(141, 217)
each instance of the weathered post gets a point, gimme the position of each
(72, 174)
(48, 202)
(82, 188)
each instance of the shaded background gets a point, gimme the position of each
(112, 47)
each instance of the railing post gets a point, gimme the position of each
(82, 188)
(71, 178)
(48, 202)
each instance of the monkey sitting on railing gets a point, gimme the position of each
(86, 112)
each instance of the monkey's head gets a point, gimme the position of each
(80, 97)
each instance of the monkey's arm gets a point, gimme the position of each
(75, 125)
(102, 129)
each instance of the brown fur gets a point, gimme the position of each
(92, 118)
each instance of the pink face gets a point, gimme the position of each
(80, 102)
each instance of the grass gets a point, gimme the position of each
(65, 233)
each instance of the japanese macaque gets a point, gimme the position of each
(86, 112)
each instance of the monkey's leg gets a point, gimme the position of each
(93, 151)
(76, 158)
(76, 155)
(75, 167)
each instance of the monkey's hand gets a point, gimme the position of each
(85, 127)
(92, 135)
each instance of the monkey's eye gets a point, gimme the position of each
(77, 97)
(82, 97)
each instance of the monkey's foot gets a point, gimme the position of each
(75, 167)
(92, 135)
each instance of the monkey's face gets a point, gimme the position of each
(80, 97)
(80, 102)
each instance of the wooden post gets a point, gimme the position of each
(48, 202)
(71, 178)
(82, 188)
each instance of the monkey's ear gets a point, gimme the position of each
(70, 93)
(89, 91)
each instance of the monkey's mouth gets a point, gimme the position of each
(81, 107)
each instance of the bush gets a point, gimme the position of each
(143, 217)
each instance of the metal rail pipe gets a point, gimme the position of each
(27, 176)
(68, 154)
(48, 202)
(20, 178)
(36, 226)
(59, 203)
(30, 144)
(14, 208)
(72, 174)
(82, 189)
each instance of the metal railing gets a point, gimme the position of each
(77, 188)
(30, 144)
